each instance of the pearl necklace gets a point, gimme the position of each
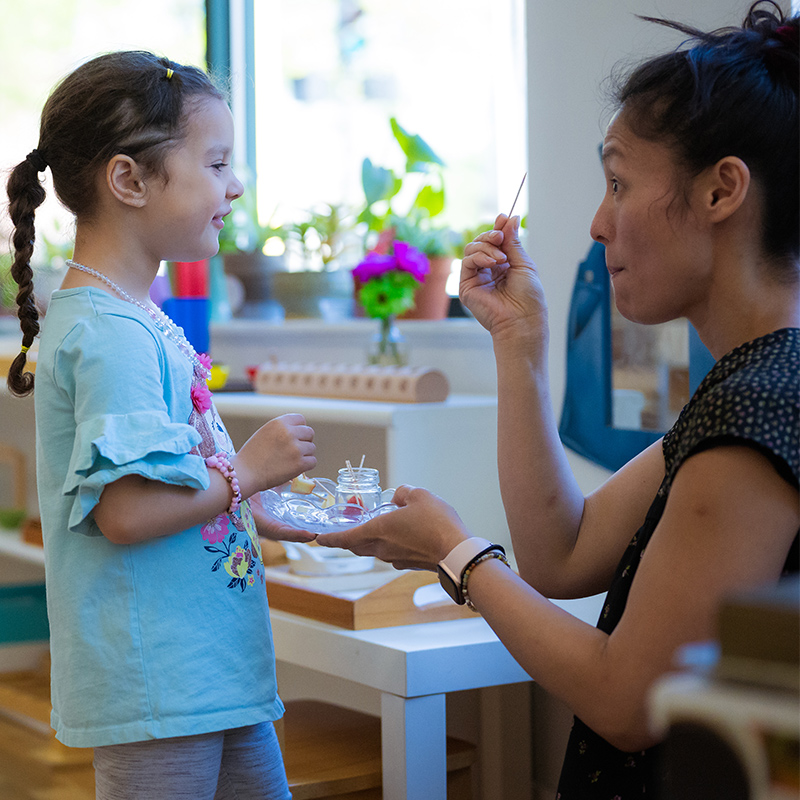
(160, 319)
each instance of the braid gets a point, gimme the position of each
(25, 195)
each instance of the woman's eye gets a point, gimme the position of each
(219, 167)
(614, 185)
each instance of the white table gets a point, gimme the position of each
(413, 667)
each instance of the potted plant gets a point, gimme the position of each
(241, 256)
(417, 225)
(323, 242)
(388, 279)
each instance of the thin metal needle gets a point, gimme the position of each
(517, 197)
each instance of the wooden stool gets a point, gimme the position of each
(334, 753)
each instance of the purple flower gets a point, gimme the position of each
(411, 260)
(374, 264)
(403, 257)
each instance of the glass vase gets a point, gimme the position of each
(388, 347)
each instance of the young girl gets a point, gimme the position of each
(161, 647)
(700, 220)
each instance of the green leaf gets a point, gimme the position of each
(430, 199)
(379, 183)
(417, 151)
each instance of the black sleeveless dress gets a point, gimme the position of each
(750, 397)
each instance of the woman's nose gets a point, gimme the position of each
(600, 229)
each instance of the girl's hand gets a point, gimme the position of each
(275, 453)
(418, 535)
(272, 528)
(499, 282)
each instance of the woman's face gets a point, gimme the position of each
(657, 251)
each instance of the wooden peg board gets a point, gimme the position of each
(354, 382)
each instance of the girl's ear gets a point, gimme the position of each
(725, 188)
(125, 181)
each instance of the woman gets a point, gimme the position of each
(699, 220)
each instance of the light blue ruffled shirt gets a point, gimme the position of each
(170, 637)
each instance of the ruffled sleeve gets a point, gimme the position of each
(131, 400)
(144, 443)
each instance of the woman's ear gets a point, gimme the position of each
(725, 188)
(125, 181)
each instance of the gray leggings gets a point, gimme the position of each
(237, 764)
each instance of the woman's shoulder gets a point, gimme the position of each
(752, 397)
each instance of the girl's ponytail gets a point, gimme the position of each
(25, 195)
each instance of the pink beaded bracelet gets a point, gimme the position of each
(221, 462)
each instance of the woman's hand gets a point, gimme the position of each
(275, 453)
(272, 528)
(418, 535)
(499, 282)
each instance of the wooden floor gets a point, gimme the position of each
(329, 752)
(33, 765)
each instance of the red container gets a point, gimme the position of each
(191, 278)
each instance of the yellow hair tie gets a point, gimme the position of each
(24, 349)
(170, 73)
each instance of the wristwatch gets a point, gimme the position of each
(452, 567)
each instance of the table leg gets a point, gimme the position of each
(414, 747)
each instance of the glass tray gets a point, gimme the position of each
(305, 511)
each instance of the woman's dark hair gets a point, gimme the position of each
(730, 92)
(133, 103)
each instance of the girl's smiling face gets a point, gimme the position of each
(657, 250)
(187, 210)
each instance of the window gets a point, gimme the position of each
(329, 75)
(43, 40)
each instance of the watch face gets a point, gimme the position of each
(450, 586)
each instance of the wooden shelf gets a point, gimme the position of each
(381, 598)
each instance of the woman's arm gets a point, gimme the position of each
(728, 525)
(135, 509)
(565, 546)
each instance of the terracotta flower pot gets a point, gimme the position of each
(431, 300)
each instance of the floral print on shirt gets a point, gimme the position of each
(237, 556)
(232, 538)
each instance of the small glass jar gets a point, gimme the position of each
(359, 486)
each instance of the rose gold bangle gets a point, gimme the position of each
(221, 462)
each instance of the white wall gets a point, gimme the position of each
(572, 47)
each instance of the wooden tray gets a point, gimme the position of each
(380, 598)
